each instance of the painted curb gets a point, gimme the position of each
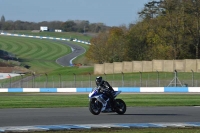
(90, 126)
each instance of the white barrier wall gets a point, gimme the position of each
(8, 75)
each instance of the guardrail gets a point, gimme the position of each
(43, 37)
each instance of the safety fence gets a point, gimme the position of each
(116, 80)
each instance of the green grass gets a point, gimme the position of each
(66, 35)
(67, 71)
(40, 54)
(40, 100)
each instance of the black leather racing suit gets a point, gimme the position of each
(106, 89)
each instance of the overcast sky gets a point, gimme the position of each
(109, 12)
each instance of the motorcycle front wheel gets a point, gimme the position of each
(95, 106)
(120, 106)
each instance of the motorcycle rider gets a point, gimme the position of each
(105, 88)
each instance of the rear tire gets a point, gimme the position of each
(95, 107)
(120, 106)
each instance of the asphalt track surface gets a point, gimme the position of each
(67, 59)
(81, 115)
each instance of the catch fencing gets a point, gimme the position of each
(153, 79)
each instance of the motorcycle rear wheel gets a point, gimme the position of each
(95, 107)
(120, 106)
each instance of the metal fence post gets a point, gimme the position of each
(105, 76)
(175, 78)
(33, 80)
(74, 79)
(192, 78)
(53, 81)
(21, 80)
(46, 80)
(113, 80)
(140, 79)
(89, 79)
(158, 79)
(122, 79)
(10, 80)
(60, 80)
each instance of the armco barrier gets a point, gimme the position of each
(123, 89)
(43, 37)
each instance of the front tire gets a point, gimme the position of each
(95, 107)
(120, 106)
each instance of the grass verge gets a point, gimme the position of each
(52, 100)
(39, 54)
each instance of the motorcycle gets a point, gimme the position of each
(96, 100)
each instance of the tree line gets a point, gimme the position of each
(167, 29)
(80, 26)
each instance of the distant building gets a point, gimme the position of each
(35, 31)
(43, 28)
(58, 30)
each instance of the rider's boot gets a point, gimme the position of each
(112, 98)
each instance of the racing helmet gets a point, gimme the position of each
(99, 80)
